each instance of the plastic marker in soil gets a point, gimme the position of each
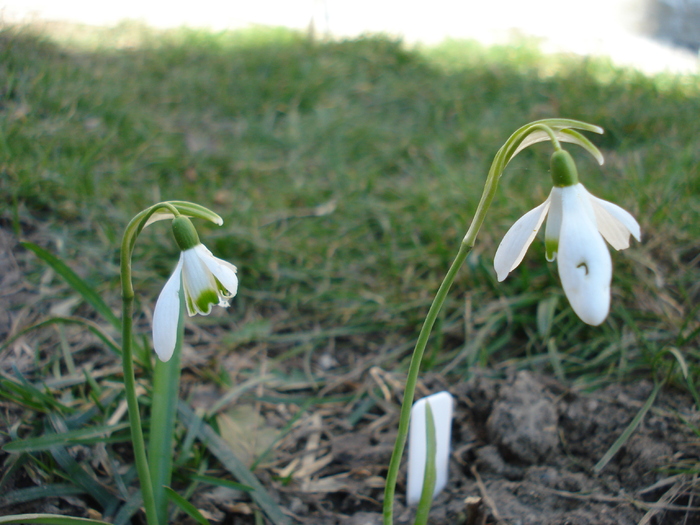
(441, 405)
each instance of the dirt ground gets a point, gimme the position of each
(523, 453)
(523, 446)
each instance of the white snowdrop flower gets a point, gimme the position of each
(577, 223)
(206, 281)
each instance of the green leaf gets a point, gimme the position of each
(80, 477)
(47, 519)
(619, 442)
(186, 506)
(94, 328)
(680, 359)
(220, 449)
(430, 475)
(210, 480)
(545, 316)
(80, 286)
(45, 491)
(72, 437)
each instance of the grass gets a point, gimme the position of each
(346, 173)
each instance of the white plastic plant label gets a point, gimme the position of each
(441, 405)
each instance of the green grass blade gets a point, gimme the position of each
(72, 437)
(34, 493)
(619, 442)
(223, 453)
(80, 477)
(47, 519)
(210, 480)
(92, 327)
(80, 286)
(186, 506)
(131, 507)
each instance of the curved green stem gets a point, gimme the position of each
(137, 440)
(412, 379)
(549, 131)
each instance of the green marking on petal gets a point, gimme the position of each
(551, 246)
(191, 310)
(222, 289)
(206, 299)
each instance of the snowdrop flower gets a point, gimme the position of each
(577, 223)
(206, 281)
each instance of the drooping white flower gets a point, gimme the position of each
(577, 223)
(206, 281)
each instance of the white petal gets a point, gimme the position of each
(199, 283)
(614, 223)
(584, 263)
(517, 240)
(166, 314)
(553, 227)
(224, 271)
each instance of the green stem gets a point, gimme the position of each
(412, 379)
(549, 131)
(133, 405)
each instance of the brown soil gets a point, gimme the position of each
(523, 453)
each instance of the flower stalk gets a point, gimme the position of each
(554, 130)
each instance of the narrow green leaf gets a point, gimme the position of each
(223, 453)
(186, 506)
(33, 493)
(545, 316)
(164, 399)
(78, 474)
(80, 477)
(210, 480)
(31, 392)
(80, 286)
(47, 519)
(94, 328)
(628, 431)
(430, 475)
(131, 507)
(680, 359)
(72, 437)
(555, 359)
